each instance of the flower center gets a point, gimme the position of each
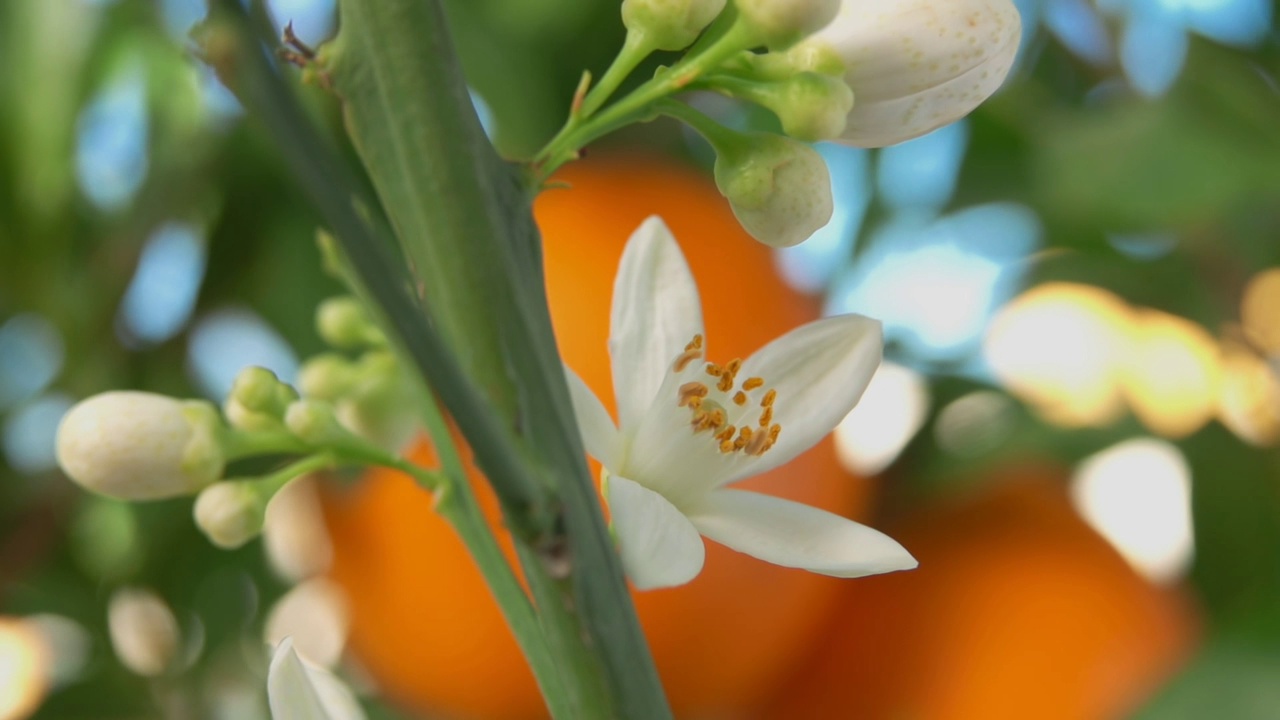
(710, 401)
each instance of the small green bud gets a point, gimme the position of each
(811, 106)
(257, 400)
(343, 323)
(668, 24)
(231, 512)
(779, 189)
(782, 23)
(380, 407)
(315, 423)
(141, 446)
(328, 376)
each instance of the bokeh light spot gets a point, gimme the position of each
(1137, 494)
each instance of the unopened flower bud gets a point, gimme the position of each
(811, 106)
(380, 407)
(141, 446)
(916, 65)
(328, 376)
(782, 23)
(144, 633)
(343, 323)
(257, 400)
(669, 24)
(315, 422)
(231, 513)
(779, 189)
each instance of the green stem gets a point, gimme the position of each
(634, 50)
(718, 135)
(637, 106)
(239, 444)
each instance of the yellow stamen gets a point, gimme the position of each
(686, 357)
(740, 398)
(726, 433)
(714, 370)
(768, 399)
(691, 390)
(757, 444)
(752, 383)
(766, 417)
(726, 446)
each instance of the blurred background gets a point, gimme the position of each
(1075, 429)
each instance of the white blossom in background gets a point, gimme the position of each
(144, 633)
(687, 428)
(297, 690)
(315, 614)
(916, 65)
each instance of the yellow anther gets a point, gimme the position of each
(757, 444)
(696, 343)
(691, 390)
(716, 418)
(726, 446)
(726, 433)
(740, 398)
(766, 417)
(739, 443)
(714, 370)
(695, 402)
(752, 383)
(773, 434)
(698, 417)
(686, 357)
(733, 367)
(769, 397)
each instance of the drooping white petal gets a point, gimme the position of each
(819, 371)
(797, 535)
(655, 313)
(599, 436)
(298, 691)
(659, 546)
(916, 65)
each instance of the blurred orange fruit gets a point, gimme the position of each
(424, 625)
(1018, 610)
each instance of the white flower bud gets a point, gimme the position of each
(140, 446)
(779, 189)
(669, 24)
(916, 65)
(143, 631)
(230, 513)
(782, 23)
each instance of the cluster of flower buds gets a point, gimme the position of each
(142, 446)
(861, 73)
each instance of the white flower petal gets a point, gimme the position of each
(819, 371)
(916, 65)
(599, 436)
(656, 312)
(659, 547)
(298, 691)
(797, 535)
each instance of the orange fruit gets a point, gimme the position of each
(424, 625)
(1018, 610)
